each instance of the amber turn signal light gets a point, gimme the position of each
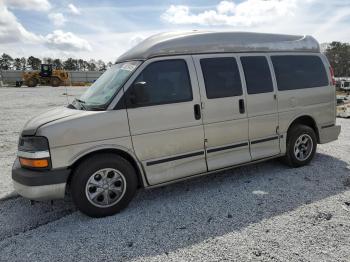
(36, 163)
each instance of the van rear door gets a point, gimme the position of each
(261, 106)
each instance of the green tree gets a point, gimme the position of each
(23, 63)
(338, 55)
(17, 64)
(57, 64)
(86, 65)
(81, 66)
(92, 65)
(34, 62)
(70, 64)
(48, 60)
(5, 62)
(101, 66)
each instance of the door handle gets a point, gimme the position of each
(241, 106)
(197, 111)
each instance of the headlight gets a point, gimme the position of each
(33, 152)
(33, 144)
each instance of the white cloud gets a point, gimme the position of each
(135, 40)
(73, 9)
(37, 5)
(110, 39)
(11, 30)
(246, 13)
(333, 21)
(57, 19)
(66, 41)
(225, 7)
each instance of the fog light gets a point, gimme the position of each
(36, 163)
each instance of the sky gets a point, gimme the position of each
(104, 29)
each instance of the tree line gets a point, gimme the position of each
(338, 54)
(33, 63)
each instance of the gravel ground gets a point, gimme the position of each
(17, 106)
(262, 212)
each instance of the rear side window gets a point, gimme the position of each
(257, 74)
(221, 77)
(297, 72)
(165, 82)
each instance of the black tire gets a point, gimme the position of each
(55, 82)
(32, 82)
(294, 133)
(84, 172)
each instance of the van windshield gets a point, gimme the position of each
(103, 90)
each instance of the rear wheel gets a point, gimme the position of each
(55, 82)
(301, 145)
(103, 185)
(32, 82)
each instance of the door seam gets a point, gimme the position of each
(205, 140)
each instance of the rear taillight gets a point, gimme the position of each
(332, 75)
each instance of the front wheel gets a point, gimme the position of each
(103, 185)
(55, 82)
(301, 145)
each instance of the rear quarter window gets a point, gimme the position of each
(299, 71)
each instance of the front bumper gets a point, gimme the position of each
(329, 133)
(41, 193)
(41, 184)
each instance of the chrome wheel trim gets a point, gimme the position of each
(105, 187)
(303, 147)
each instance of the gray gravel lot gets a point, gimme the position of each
(263, 212)
(17, 106)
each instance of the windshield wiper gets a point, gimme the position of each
(97, 107)
(81, 103)
(86, 107)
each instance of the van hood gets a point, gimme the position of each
(33, 124)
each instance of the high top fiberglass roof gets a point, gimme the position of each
(199, 42)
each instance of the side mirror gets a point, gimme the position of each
(138, 94)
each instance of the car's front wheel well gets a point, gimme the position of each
(118, 152)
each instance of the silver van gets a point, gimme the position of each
(176, 106)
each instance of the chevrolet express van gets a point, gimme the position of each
(176, 106)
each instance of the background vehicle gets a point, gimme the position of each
(343, 106)
(46, 76)
(176, 106)
(345, 85)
